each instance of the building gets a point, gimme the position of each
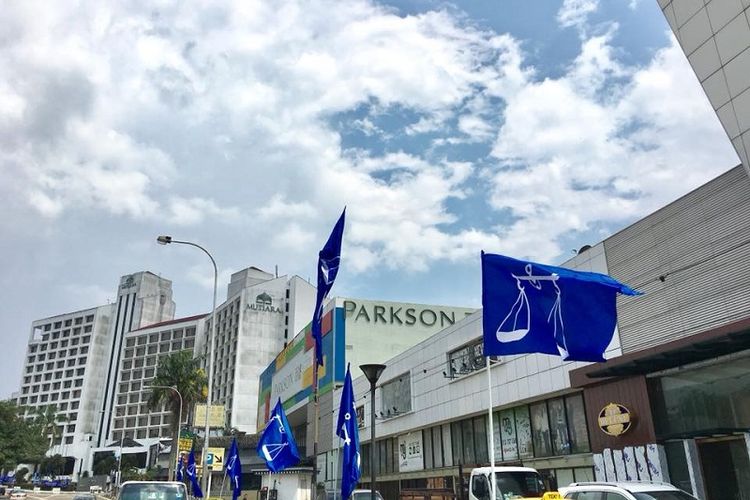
(65, 366)
(95, 365)
(142, 299)
(715, 36)
(252, 326)
(671, 403)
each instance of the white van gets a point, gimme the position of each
(513, 483)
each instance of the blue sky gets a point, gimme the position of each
(525, 128)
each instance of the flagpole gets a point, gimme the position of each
(492, 429)
(224, 480)
(315, 437)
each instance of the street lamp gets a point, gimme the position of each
(179, 422)
(165, 240)
(372, 372)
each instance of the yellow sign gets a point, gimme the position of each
(215, 416)
(552, 495)
(215, 458)
(184, 444)
(615, 419)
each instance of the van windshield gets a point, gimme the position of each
(519, 485)
(153, 491)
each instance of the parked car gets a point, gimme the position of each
(630, 490)
(17, 492)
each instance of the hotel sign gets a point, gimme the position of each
(264, 303)
(615, 419)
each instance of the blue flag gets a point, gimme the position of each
(346, 428)
(530, 307)
(192, 475)
(276, 445)
(328, 267)
(234, 469)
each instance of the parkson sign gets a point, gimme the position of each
(394, 314)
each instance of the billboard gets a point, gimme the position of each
(215, 416)
(290, 375)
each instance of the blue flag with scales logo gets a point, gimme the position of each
(536, 308)
(234, 469)
(328, 267)
(346, 429)
(276, 445)
(191, 473)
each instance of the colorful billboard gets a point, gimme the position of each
(290, 375)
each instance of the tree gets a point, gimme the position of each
(48, 421)
(182, 372)
(20, 441)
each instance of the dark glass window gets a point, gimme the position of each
(712, 397)
(480, 439)
(540, 429)
(456, 443)
(576, 412)
(558, 427)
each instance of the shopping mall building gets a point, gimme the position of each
(672, 403)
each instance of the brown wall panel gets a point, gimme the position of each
(630, 392)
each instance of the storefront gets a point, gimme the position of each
(550, 435)
(685, 403)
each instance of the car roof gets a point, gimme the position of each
(625, 485)
(173, 483)
(486, 470)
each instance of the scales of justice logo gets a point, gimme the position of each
(517, 324)
(272, 450)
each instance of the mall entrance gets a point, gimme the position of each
(726, 468)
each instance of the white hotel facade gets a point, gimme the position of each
(95, 365)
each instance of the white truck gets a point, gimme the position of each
(512, 483)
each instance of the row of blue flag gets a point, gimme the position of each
(233, 471)
(278, 448)
(527, 307)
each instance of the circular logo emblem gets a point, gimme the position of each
(615, 419)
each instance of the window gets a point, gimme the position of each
(558, 427)
(68, 322)
(540, 429)
(130, 342)
(523, 432)
(467, 359)
(396, 395)
(87, 329)
(90, 318)
(576, 413)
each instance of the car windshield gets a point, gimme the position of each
(519, 484)
(153, 491)
(662, 495)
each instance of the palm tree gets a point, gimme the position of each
(47, 420)
(182, 372)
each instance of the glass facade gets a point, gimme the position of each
(712, 398)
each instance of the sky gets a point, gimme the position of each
(516, 127)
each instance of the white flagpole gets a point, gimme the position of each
(224, 480)
(492, 430)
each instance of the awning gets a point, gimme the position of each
(727, 339)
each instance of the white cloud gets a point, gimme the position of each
(199, 114)
(576, 12)
(579, 150)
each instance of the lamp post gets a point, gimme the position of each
(179, 422)
(372, 372)
(165, 240)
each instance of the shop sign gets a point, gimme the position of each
(615, 419)
(185, 444)
(410, 452)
